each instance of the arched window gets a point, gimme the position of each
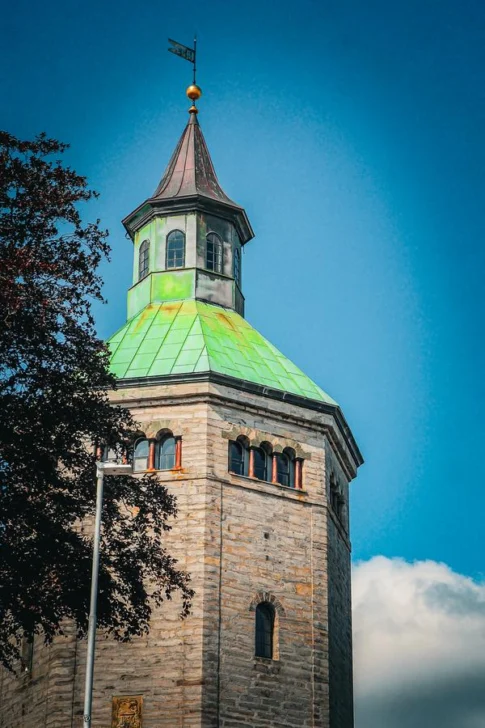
(175, 249)
(237, 458)
(166, 453)
(260, 463)
(265, 617)
(237, 265)
(283, 469)
(143, 259)
(213, 258)
(140, 457)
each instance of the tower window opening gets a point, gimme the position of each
(283, 469)
(213, 259)
(237, 265)
(175, 249)
(265, 619)
(140, 456)
(260, 463)
(28, 652)
(239, 456)
(337, 501)
(144, 259)
(166, 453)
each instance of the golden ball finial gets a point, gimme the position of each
(194, 92)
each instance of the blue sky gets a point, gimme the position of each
(353, 135)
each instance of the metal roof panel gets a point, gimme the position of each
(194, 336)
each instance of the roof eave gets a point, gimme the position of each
(189, 203)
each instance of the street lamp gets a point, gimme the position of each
(110, 468)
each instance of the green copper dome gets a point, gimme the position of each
(184, 311)
(184, 337)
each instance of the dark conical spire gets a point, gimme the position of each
(190, 184)
(190, 170)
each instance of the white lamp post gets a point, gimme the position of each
(110, 468)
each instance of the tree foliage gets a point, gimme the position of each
(54, 380)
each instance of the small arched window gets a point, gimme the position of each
(143, 259)
(237, 265)
(260, 463)
(265, 618)
(175, 249)
(283, 470)
(237, 458)
(285, 467)
(213, 258)
(166, 453)
(140, 457)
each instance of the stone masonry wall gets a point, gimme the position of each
(166, 666)
(243, 541)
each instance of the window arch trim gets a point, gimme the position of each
(266, 596)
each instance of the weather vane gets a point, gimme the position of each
(194, 92)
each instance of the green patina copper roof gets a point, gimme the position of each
(190, 336)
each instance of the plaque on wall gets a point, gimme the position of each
(127, 711)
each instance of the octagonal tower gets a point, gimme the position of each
(260, 459)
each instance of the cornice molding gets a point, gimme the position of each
(266, 392)
(190, 203)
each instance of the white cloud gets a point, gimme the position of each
(419, 646)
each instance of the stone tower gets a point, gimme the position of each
(260, 459)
